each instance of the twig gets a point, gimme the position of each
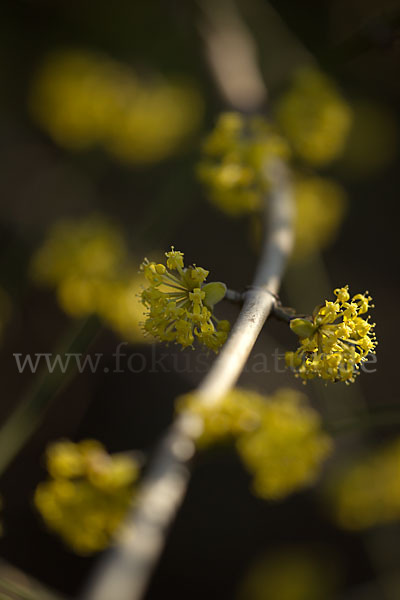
(16, 584)
(232, 55)
(27, 416)
(124, 571)
(283, 313)
(234, 296)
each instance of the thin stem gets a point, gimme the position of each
(234, 296)
(282, 313)
(23, 421)
(18, 585)
(232, 55)
(124, 571)
(261, 297)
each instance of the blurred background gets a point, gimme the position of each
(104, 110)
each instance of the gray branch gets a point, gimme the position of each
(125, 570)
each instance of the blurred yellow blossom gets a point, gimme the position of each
(278, 438)
(234, 169)
(321, 204)
(90, 247)
(180, 305)
(285, 453)
(290, 573)
(83, 98)
(367, 492)
(87, 494)
(88, 263)
(236, 156)
(120, 306)
(335, 341)
(236, 413)
(314, 117)
(114, 299)
(320, 208)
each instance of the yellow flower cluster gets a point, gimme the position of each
(367, 493)
(320, 207)
(335, 341)
(88, 264)
(314, 117)
(83, 99)
(278, 438)
(235, 162)
(234, 168)
(180, 306)
(87, 494)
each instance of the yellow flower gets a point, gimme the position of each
(320, 208)
(335, 341)
(120, 307)
(367, 492)
(236, 156)
(88, 264)
(314, 117)
(87, 494)
(236, 413)
(83, 99)
(278, 438)
(234, 170)
(180, 306)
(85, 248)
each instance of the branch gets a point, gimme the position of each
(231, 55)
(125, 570)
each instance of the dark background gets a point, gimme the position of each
(221, 528)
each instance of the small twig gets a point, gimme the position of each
(234, 296)
(27, 416)
(125, 570)
(283, 313)
(279, 312)
(232, 55)
(16, 584)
